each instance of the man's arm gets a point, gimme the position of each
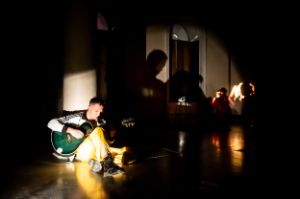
(63, 124)
(55, 125)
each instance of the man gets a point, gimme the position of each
(92, 146)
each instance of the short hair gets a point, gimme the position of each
(97, 100)
(223, 90)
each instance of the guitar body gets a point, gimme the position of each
(65, 144)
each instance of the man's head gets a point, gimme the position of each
(221, 92)
(95, 108)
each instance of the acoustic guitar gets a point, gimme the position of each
(65, 144)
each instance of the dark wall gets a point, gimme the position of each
(31, 77)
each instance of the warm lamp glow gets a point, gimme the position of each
(78, 89)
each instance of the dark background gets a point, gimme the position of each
(33, 56)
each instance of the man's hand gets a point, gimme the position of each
(75, 132)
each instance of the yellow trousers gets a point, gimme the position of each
(95, 147)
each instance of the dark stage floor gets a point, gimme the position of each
(184, 163)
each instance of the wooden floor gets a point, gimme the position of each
(186, 163)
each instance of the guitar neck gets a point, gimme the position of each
(87, 127)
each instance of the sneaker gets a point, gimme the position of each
(110, 168)
(113, 171)
(96, 166)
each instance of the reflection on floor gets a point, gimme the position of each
(189, 163)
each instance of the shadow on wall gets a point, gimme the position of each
(152, 91)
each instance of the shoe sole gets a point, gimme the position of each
(112, 174)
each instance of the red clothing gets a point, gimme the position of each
(221, 107)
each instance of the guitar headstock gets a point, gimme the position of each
(102, 122)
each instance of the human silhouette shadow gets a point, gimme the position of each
(150, 106)
(248, 106)
(152, 94)
(248, 115)
(186, 85)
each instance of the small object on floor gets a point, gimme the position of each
(96, 166)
